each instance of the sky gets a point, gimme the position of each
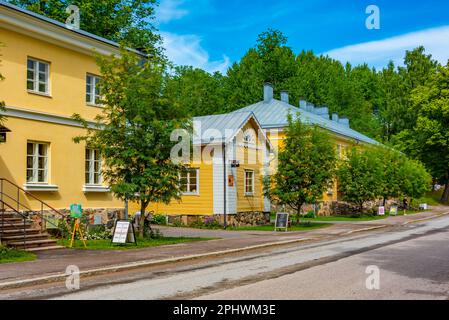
(213, 34)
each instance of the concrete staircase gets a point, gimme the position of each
(16, 229)
(17, 234)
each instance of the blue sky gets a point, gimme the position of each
(212, 34)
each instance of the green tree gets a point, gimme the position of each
(125, 21)
(198, 92)
(428, 140)
(391, 163)
(360, 176)
(306, 166)
(133, 131)
(415, 180)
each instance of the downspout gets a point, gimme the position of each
(225, 221)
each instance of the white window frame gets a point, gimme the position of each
(35, 79)
(188, 192)
(91, 94)
(245, 185)
(91, 168)
(35, 163)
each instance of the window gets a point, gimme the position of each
(93, 90)
(93, 167)
(37, 162)
(37, 76)
(249, 182)
(188, 180)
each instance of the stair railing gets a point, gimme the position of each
(18, 207)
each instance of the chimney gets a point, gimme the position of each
(310, 107)
(344, 121)
(284, 96)
(267, 92)
(302, 104)
(335, 117)
(322, 112)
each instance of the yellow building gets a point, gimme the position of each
(50, 73)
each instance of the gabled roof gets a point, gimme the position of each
(273, 114)
(222, 128)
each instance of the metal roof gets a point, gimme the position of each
(62, 25)
(273, 114)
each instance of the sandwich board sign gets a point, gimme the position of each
(281, 221)
(394, 211)
(124, 233)
(381, 211)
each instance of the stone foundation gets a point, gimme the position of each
(233, 220)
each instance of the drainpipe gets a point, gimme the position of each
(225, 222)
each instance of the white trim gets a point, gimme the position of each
(40, 187)
(197, 192)
(96, 189)
(36, 73)
(253, 186)
(21, 113)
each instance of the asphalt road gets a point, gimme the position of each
(412, 261)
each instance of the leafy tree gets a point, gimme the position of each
(415, 180)
(306, 166)
(133, 131)
(428, 140)
(391, 163)
(360, 176)
(127, 21)
(197, 91)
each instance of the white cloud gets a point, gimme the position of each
(187, 50)
(379, 53)
(169, 10)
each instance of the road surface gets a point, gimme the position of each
(412, 261)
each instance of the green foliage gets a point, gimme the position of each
(415, 180)
(127, 22)
(206, 223)
(360, 176)
(98, 233)
(428, 139)
(159, 219)
(135, 128)
(306, 166)
(9, 255)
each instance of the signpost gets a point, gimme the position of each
(394, 211)
(124, 233)
(281, 221)
(76, 212)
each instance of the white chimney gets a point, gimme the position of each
(335, 117)
(344, 121)
(303, 104)
(267, 92)
(284, 96)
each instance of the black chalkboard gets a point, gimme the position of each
(281, 221)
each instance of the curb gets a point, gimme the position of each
(134, 265)
(365, 229)
(426, 219)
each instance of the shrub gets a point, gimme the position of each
(99, 233)
(159, 219)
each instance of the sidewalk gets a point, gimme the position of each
(55, 262)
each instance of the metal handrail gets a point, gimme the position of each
(17, 210)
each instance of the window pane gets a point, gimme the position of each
(87, 177)
(41, 176)
(42, 67)
(96, 166)
(89, 80)
(29, 175)
(30, 85)
(87, 154)
(42, 87)
(42, 77)
(31, 64)
(30, 148)
(96, 155)
(42, 149)
(30, 75)
(41, 163)
(96, 178)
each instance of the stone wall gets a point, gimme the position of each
(233, 220)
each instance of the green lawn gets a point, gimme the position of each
(8, 255)
(294, 227)
(141, 243)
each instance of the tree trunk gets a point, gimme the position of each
(445, 197)
(298, 213)
(385, 201)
